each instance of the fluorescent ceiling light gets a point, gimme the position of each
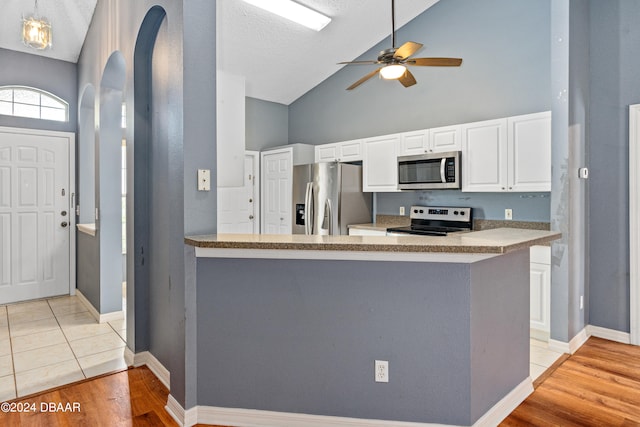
(294, 12)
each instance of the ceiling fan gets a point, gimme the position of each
(394, 61)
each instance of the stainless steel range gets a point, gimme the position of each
(435, 221)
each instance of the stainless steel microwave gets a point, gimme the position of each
(432, 171)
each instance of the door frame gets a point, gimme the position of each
(634, 227)
(71, 147)
(257, 224)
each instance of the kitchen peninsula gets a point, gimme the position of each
(289, 326)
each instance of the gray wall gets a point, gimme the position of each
(614, 63)
(302, 336)
(57, 77)
(266, 124)
(570, 83)
(506, 71)
(156, 315)
(87, 266)
(505, 45)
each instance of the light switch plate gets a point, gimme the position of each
(204, 180)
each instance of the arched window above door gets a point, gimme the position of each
(23, 101)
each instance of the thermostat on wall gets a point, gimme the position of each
(583, 173)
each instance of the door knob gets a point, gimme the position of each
(63, 224)
(250, 216)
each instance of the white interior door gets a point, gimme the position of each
(35, 216)
(276, 194)
(237, 206)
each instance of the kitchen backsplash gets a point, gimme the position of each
(529, 207)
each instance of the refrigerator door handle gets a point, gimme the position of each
(329, 214)
(308, 215)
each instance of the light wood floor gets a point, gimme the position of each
(598, 386)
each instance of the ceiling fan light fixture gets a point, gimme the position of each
(393, 71)
(294, 12)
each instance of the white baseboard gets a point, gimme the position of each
(146, 358)
(101, 318)
(539, 335)
(176, 411)
(582, 337)
(259, 418)
(506, 405)
(572, 346)
(609, 334)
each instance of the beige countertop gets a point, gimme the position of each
(493, 241)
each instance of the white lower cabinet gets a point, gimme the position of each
(540, 283)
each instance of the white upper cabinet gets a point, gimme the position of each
(350, 151)
(413, 143)
(327, 152)
(446, 138)
(484, 156)
(530, 152)
(380, 163)
(347, 151)
(512, 154)
(435, 140)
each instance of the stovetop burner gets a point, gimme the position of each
(436, 221)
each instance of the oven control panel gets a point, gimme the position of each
(441, 213)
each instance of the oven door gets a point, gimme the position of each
(429, 171)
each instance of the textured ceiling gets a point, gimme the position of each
(282, 60)
(70, 20)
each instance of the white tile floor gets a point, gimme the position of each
(540, 358)
(55, 341)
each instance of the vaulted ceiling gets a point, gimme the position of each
(280, 60)
(70, 21)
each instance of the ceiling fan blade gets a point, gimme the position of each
(364, 79)
(406, 50)
(358, 62)
(435, 62)
(407, 79)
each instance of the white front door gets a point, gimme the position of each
(237, 212)
(35, 216)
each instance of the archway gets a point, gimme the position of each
(148, 259)
(109, 202)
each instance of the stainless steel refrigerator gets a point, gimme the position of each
(327, 197)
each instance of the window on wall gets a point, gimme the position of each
(21, 101)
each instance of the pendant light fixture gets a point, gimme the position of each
(36, 30)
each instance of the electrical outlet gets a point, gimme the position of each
(382, 371)
(508, 214)
(401, 210)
